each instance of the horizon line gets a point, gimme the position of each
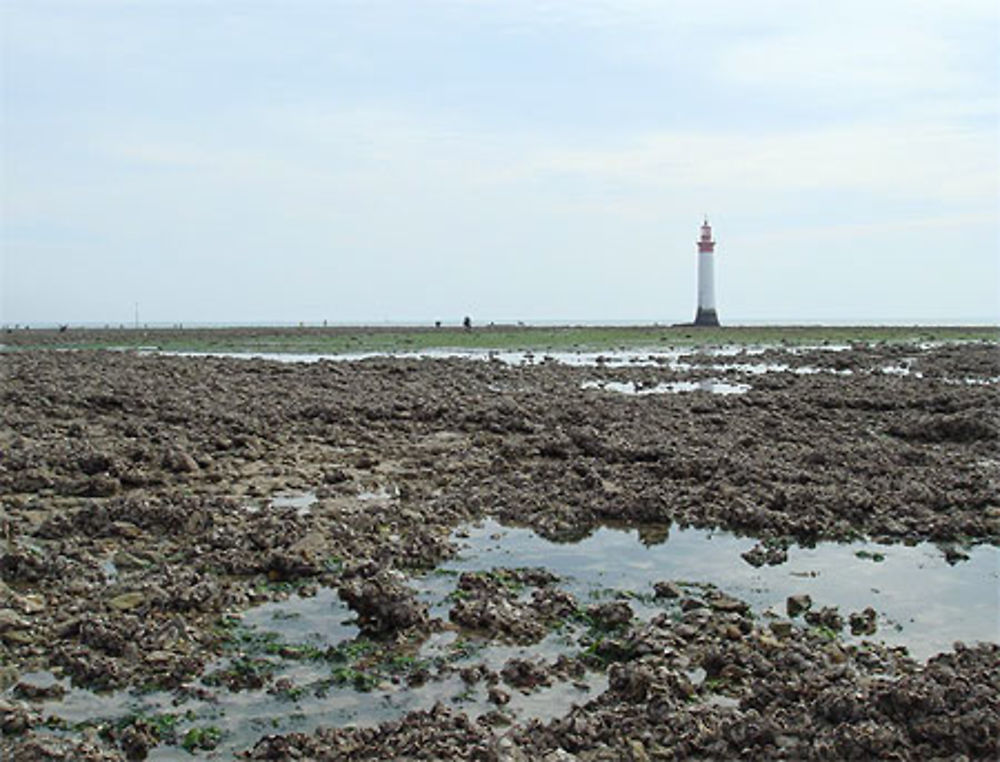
(979, 321)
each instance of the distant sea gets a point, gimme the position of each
(457, 321)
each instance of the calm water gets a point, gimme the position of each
(923, 603)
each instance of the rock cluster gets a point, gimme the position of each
(136, 495)
(384, 604)
(496, 604)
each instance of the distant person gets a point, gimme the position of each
(467, 323)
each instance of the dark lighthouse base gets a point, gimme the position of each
(706, 317)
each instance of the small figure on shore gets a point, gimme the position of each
(467, 323)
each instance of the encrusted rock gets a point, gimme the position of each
(498, 695)
(796, 604)
(32, 692)
(86, 476)
(525, 674)
(137, 739)
(828, 616)
(781, 627)
(863, 622)
(127, 601)
(612, 615)
(179, 462)
(16, 717)
(761, 554)
(11, 620)
(667, 589)
(384, 605)
(722, 602)
(692, 604)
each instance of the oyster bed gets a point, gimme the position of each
(273, 559)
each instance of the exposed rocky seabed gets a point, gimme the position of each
(216, 556)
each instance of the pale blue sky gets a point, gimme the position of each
(370, 160)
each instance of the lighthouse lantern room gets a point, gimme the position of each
(706, 314)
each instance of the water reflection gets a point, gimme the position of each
(924, 603)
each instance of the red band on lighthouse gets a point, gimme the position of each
(706, 243)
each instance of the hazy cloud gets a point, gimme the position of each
(387, 160)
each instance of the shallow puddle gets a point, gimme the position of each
(709, 385)
(608, 358)
(110, 570)
(322, 619)
(301, 501)
(298, 642)
(923, 602)
(735, 359)
(378, 493)
(310, 645)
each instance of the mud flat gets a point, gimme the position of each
(760, 553)
(353, 339)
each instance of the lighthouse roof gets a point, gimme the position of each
(706, 243)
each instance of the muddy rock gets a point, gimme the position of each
(828, 616)
(100, 485)
(667, 590)
(953, 555)
(632, 682)
(553, 604)
(11, 620)
(501, 617)
(782, 628)
(692, 604)
(493, 602)
(179, 462)
(761, 554)
(8, 677)
(384, 605)
(32, 692)
(610, 616)
(863, 622)
(16, 717)
(137, 739)
(797, 604)
(525, 674)
(127, 475)
(498, 695)
(127, 601)
(722, 602)
(21, 565)
(962, 428)
(62, 750)
(435, 734)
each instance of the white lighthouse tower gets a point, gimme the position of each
(706, 278)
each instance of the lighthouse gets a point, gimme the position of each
(706, 278)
